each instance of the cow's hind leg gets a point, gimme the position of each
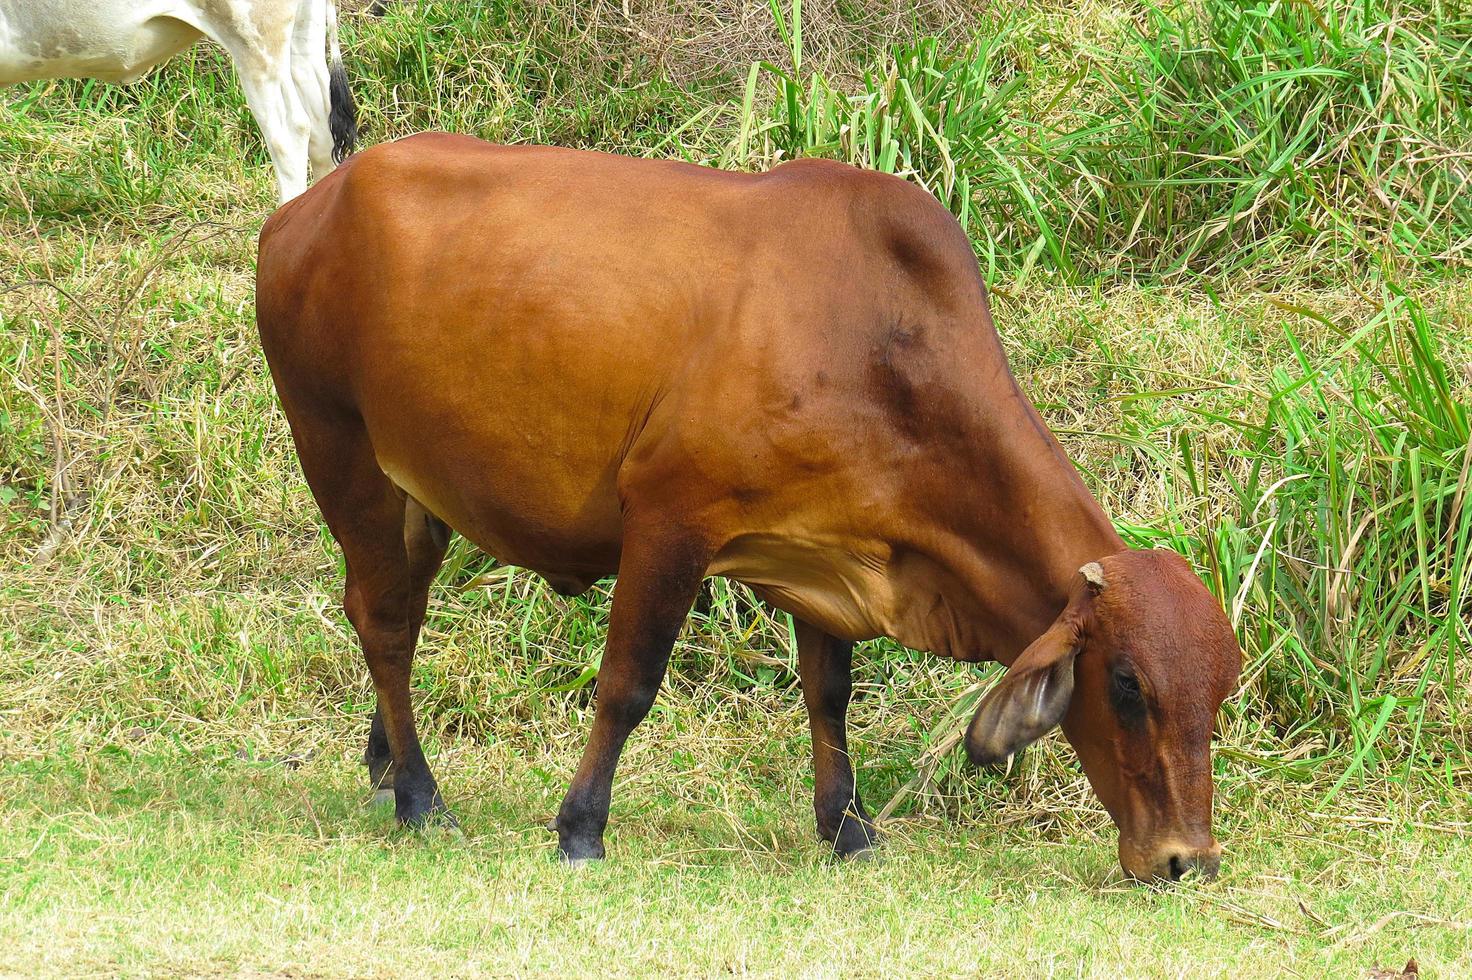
(425, 539)
(385, 594)
(659, 573)
(265, 75)
(309, 79)
(824, 664)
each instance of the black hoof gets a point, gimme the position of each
(380, 772)
(439, 822)
(858, 849)
(855, 838)
(434, 816)
(578, 852)
(861, 855)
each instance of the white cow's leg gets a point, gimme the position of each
(313, 96)
(286, 138)
(265, 75)
(309, 79)
(273, 103)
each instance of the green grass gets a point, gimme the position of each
(148, 860)
(1283, 399)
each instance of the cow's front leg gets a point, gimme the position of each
(824, 664)
(658, 577)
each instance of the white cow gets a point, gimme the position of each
(303, 107)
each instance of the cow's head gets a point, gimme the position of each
(1134, 669)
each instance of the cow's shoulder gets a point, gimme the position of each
(898, 217)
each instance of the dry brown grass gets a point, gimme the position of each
(693, 41)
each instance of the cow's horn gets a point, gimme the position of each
(1093, 573)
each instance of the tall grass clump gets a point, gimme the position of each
(1337, 529)
(927, 113)
(1215, 137)
(1280, 134)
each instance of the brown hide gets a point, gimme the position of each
(591, 365)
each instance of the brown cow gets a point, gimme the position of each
(588, 364)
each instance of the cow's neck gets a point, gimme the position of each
(1003, 555)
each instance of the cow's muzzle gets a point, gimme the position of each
(1171, 861)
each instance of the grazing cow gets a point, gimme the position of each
(588, 364)
(303, 107)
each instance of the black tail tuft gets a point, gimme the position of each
(342, 114)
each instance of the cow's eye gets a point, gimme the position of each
(1124, 691)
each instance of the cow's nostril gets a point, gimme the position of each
(1173, 862)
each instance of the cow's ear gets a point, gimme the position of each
(1031, 698)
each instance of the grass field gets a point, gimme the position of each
(1228, 247)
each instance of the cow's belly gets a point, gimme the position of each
(557, 514)
(77, 41)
